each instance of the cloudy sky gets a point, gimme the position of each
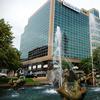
(17, 12)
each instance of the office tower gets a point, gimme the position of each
(94, 21)
(37, 41)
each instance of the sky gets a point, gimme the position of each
(17, 13)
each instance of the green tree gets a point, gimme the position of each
(86, 65)
(65, 65)
(9, 56)
(96, 58)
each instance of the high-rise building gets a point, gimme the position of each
(94, 21)
(37, 41)
(95, 12)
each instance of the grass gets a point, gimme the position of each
(30, 81)
(4, 80)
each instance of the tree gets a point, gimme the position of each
(96, 58)
(9, 56)
(86, 64)
(65, 65)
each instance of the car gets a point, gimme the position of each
(40, 73)
(30, 74)
(3, 75)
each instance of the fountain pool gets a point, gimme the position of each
(30, 93)
(46, 92)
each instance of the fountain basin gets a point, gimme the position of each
(44, 92)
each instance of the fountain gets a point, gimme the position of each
(47, 92)
(55, 75)
(16, 83)
(94, 39)
(76, 92)
(57, 56)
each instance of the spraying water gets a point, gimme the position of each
(57, 55)
(94, 38)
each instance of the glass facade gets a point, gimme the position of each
(94, 30)
(94, 12)
(38, 52)
(74, 26)
(75, 31)
(36, 32)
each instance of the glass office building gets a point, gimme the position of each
(36, 32)
(94, 28)
(95, 12)
(75, 29)
(37, 41)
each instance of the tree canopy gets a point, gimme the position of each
(9, 56)
(86, 64)
(96, 58)
(65, 65)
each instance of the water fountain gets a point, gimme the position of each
(47, 92)
(77, 91)
(55, 75)
(94, 39)
(92, 29)
(57, 56)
